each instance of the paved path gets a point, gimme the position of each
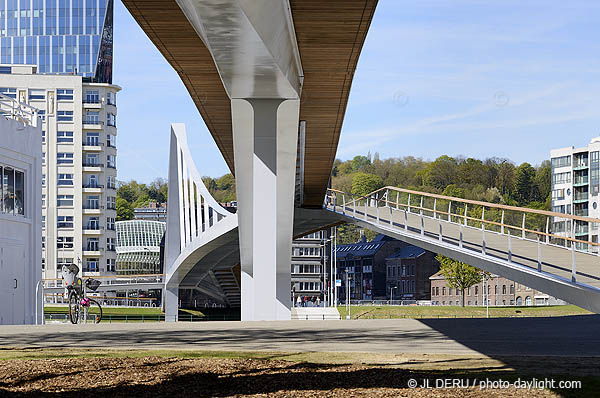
(568, 336)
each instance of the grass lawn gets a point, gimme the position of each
(385, 312)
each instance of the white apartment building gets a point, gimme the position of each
(310, 265)
(20, 212)
(575, 189)
(79, 151)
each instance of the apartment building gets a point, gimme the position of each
(575, 188)
(310, 265)
(79, 169)
(408, 272)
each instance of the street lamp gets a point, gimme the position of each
(392, 294)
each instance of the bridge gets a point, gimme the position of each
(271, 79)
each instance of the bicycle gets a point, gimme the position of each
(79, 304)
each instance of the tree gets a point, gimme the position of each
(360, 162)
(364, 184)
(124, 210)
(441, 172)
(458, 275)
(543, 180)
(525, 190)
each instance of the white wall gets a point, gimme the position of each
(20, 236)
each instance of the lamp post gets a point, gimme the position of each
(392, 294)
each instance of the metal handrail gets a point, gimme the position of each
(13, 109)
(374, 197)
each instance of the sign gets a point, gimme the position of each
(338, 282)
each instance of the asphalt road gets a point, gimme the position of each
(557, 336)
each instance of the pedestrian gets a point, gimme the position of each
(318, 301)
(299, 301)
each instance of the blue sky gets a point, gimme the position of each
(499, 78)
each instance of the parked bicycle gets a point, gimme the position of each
(81, 307)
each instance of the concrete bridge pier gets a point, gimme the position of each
(265, 134)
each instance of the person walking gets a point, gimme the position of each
(318, 301)
(299, 302)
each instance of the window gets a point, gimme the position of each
(43, 200)
(43, 180)
(111, 119)
(64, 116)
(43, 136)
(512, 289)
(111, 182)
(111, 162)
(63, 261)
(111, 203)
(562, 161)
(437, 291)
(64, 94)
(9, 92)
(42, 114)
(12, 191)
(110, 265)
(561, 178)
(558, 209)
(110, 244)
(64, 158)
(92, 223)
(64, 242)
(64, 221)
(92, 202)
(37, 94)
(110, 223)
(503, 289)
(111, 140)
(64, 136)
(91, 265)
(91, 159)
(92, 97)
(92, 245)
(92, 139)
(443, 290)
(111, 98)
(449, 291)
(64, 200)
(558, 194)
(92, 117)
(65, 179)
(476, 290)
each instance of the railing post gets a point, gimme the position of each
(547, 230)
(391, 216)
(440, 235)
(502, 223)
(387, 196)
(460, 241)
(539, 247)
(573, 263)
(422, 226)
(509, 248)
(409, 203)
(344, 204)
(466, 214)
(334, 201)
(483, 218)
(405, 220)
(435, 208)
(523, 227)
(397, 200)
(354, 207)
(378, 214)
(421, 206)
(482, 240)
(449, 210)
(366, 202)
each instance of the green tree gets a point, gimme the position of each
(441, 172)
(360, 162)
(543, 180)
(458, 275)
(364, 184)
(124, 210)
(525, 190)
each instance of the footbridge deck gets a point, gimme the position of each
(513, 242)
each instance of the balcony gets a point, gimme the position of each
(93, 186)
(92, 250)
(109, 145)
(91, 166)
(92, 230)
(579, 181)
(111, 186)
(92, 145)
(111, 207)
(581, 213)
(580, 198)
(111, 166)
(91, 103)
(92, 124)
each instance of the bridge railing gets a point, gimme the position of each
(565, 230)
(108, 280)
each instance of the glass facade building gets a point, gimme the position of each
(59, 36)
(138, 246)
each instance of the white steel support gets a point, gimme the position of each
(265, 135)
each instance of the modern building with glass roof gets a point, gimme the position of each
(59, 36)
(139, 247)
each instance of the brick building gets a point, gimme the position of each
(501, 292)
(408, 272)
